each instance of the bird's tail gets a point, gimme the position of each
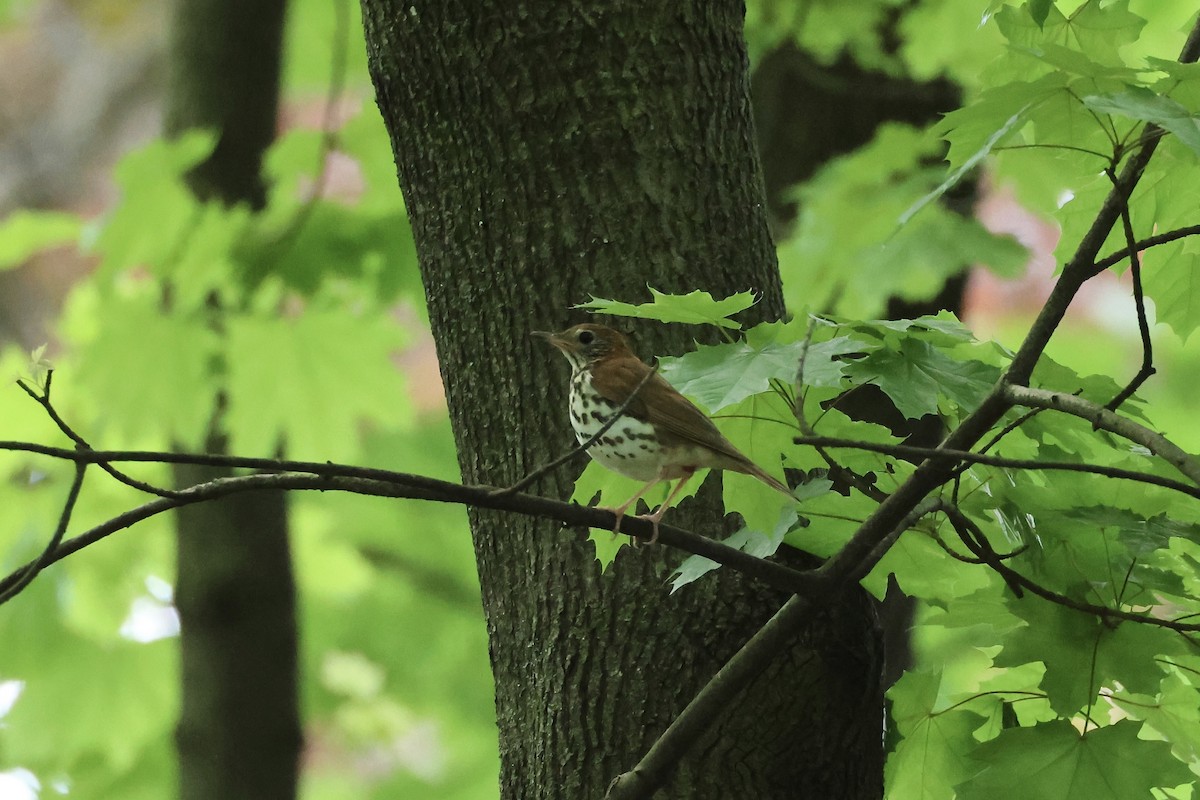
(769, 480)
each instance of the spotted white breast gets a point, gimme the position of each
(629, 446)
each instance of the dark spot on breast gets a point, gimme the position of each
(633, 435)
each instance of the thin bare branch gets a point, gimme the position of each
(712, 702)
(971, 457)
(1145, 244)
(331, 477)
(714, 699)
(1110, 421)
(43, 399)
(17, 582)
(1139, 301)
(1106, 614)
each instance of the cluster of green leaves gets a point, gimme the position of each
(294, 316)
(1058, 98)
(848, 250)
(1066, 102)
(827, 30)
(1004, 684)
(1008, 692)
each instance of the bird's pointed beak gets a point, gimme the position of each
(555, 339)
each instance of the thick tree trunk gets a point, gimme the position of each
(239, 733)
(548, 151)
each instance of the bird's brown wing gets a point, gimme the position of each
(676, 418)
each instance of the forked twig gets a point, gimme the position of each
(24, 576)
(1139, 300)
(43, 400)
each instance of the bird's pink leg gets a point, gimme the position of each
(621, 509)
(662, 509)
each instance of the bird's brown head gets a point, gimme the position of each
(587, 343)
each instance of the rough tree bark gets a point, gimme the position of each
(547, 151)
(239, 733)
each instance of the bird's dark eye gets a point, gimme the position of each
(586, 337)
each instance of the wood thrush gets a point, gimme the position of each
(660, 436)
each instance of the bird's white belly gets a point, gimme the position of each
(628, 447)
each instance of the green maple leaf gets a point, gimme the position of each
(975, 130)
(1138, 102)
(923, 570)
(756, 543)
(916, 374)
(1053, 762)
(138, 697)
(697, 308)
(166, 389)
(154, 197)
(1142, 538)
(1082, 654)
(722, 375)
(1039, 10)
(941, 330)
(1093, 28)
(1174, 285)
(603, 488)
(934, 753)
(1173, 715)
(297, 380)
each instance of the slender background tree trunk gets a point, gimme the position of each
(239, 733)
(548, 151)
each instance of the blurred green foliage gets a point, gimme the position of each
(396, 689)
